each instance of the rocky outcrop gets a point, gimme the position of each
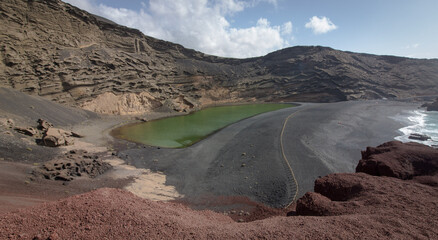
(399, 160)
(387, 178)
(431, 106)
(74, 164)
(55, 137)
(30, 131)
(47, 135)
(52, 49)
(419, 137)
(43, 125)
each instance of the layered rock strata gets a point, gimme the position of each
(55, 50)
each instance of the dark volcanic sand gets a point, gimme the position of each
(244, 159)
(20, 155)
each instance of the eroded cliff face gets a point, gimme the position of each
(67, 55)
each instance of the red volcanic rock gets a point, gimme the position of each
(338, 194)
(314, 204)
(400, 160)
(344, 206)
(338, 189)
(389, 209)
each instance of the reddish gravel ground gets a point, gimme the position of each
(344, 206)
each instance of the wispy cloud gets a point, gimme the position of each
(320, 25)
(412, 46)
(200, 24)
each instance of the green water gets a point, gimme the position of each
(183, 131)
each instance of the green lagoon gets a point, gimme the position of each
(183, 131)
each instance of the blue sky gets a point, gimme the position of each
(237, 28)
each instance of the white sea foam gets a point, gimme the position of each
(421, 122)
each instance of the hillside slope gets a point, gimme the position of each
(55, 50)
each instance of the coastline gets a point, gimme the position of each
(421, 122)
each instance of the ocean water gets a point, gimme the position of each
(422, 122)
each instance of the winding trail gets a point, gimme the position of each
(295, 182)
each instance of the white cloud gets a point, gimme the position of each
(286, 28)
(199, 24)
(320, 25)
(412, 46)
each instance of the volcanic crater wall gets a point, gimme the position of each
(55, 50)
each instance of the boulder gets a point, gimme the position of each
(55, 137)
(419, 137)
(43, 125)
(30, 131)
(337, 189)
(399, 160)
(314, 204)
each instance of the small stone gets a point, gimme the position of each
(37, 237)
(243, 165)
(53, 236)
(244, 154)
(240, 220)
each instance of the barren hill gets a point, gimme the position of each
(55, 50)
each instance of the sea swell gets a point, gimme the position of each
(419, 122)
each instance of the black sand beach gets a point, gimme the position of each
(245, 158)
